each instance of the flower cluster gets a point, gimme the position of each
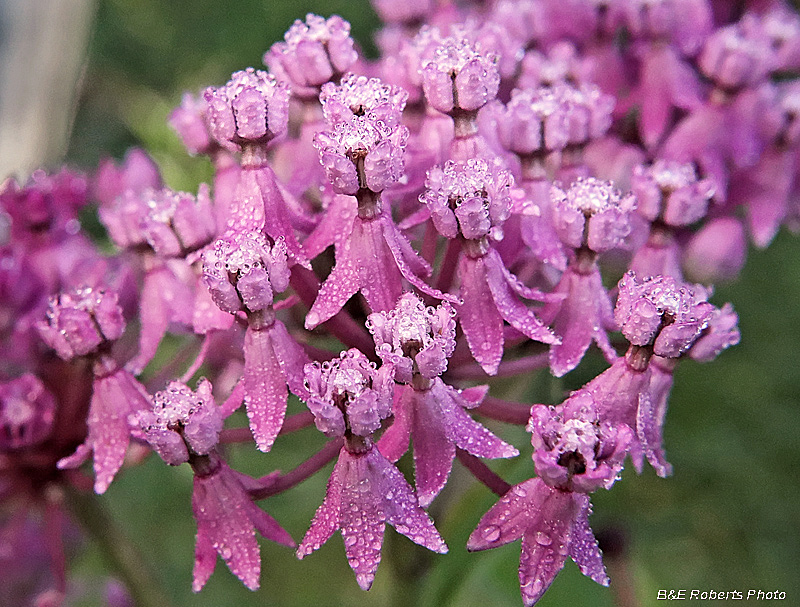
(381, 240)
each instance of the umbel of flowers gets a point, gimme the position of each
(382, 239)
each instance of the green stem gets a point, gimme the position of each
(117, 548)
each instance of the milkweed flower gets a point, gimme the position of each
(349, 397)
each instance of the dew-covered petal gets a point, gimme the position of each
(277, 223)
(409, 262)
(650, 419)
(515, 312)
(291, 357)
(434, 451)
(579, 320)
(394, 440)
(342, 283)
(327, 519)
(400, 505)
(509, 518)
(108, 424)
(546, 544)
(165, 298)
(583, 548)
(220, 507)
(205, 559)
(268, 527)
(463, 431)
(362, 516)
(265, 388)
(480, 319)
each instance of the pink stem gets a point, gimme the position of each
(198, 362)
(504, 411)
(483, 473)
(429, 241)
(305, 470)
(508, 368)
(449, 263)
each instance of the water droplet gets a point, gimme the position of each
(543, 539)
(491, 533)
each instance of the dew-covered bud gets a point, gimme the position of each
(671, 191)
(573, 448)
(360, 96)
(534, 121)
(181, 422)
(592, 213)
(588, 111)
(414, 338)
(561, 63)
(471, 197)
(188, 120)
(362, 153)
(661, 312)
(171, 223)
(314, 52)
(80, 321)
(349, 394)
(459, 78)
(177, 223)
(252, 108)
(27, 411)
(736, 56)
(243, 272)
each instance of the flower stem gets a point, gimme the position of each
(305, 470)
(483, 473)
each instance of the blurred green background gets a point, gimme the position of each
(727, 520)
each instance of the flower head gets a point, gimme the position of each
(137, 172)
(173, 224)
(181, 422)
(45, 204)
(362, 153)
(313, 53)
(470, 197)
(359, 96)
(592, 213)
(458, 77)
(736, 56)
(573, 448)
(80, 321)
(349, 394)
(243, 272)
(534, 121)
(671, 191)
(189, 121)
(252, 108)
(414, 338)
(659, 311)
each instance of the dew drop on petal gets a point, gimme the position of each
(491, 533)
